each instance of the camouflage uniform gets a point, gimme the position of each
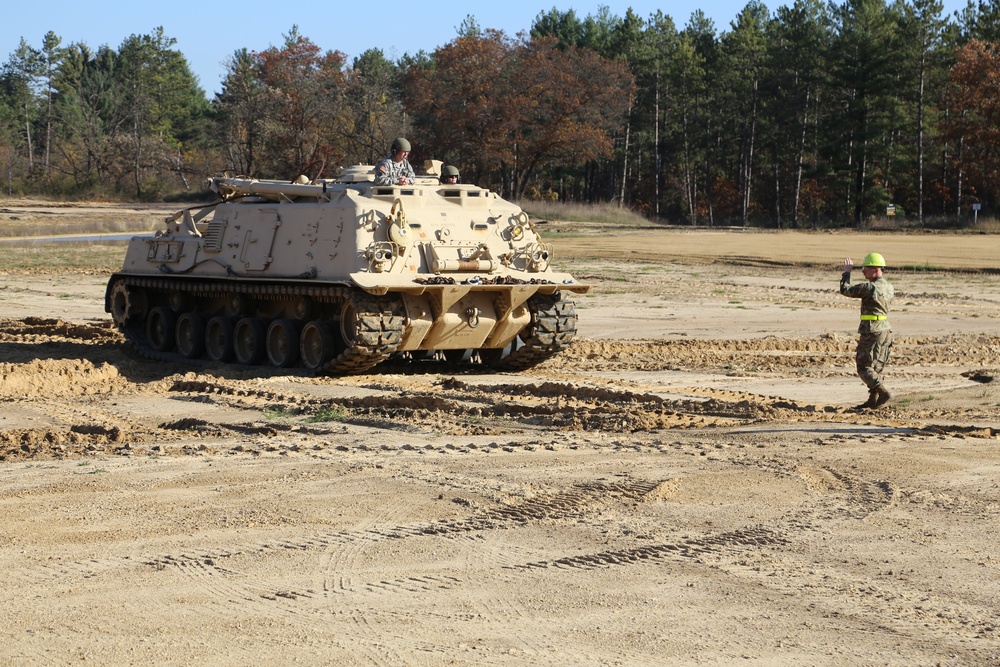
(388, 171)
(876, 334)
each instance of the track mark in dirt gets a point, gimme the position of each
(889, 599)
(203, 563)
(834, 493)
(732, 541)
(230, 585)
(866, 496)
(421, 584)
(275, 595)
(461, 407)
(343, 560)
(557, 506)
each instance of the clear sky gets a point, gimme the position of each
(209, 31)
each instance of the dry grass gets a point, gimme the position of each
(73, 227)
(29, 218)
(603, 214)
(39, 257)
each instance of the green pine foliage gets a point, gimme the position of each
(812, 115)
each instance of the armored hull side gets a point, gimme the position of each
(337, 276)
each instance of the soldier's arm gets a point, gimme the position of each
(845, 277)
(383, 175)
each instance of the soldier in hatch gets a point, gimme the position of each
(450, 175)
(395, 169)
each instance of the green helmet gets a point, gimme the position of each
(450, 170)
(400, 144)
(874, 259)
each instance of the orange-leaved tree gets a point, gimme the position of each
(504, 108)
(306, 107)
(972, 122)
(457, 105)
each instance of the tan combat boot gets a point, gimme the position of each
(872, 397)
(882, 396)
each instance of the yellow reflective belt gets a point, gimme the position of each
(865, 318)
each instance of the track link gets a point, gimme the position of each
(553, 326)
(379, 320)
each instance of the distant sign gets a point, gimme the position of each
(977, 207)
(890, 210)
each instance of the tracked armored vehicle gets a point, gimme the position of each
(338, 275)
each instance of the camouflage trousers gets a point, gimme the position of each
(872, 354)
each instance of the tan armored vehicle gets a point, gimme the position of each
(338, 275)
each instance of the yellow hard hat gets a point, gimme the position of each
(874, 259)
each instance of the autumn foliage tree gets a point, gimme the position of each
(973, 120)
(569, 104)
(507, 108)
(455, 100)
(283, 109)
(304, 89)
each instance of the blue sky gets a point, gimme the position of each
(208, 32)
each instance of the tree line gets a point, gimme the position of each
(816, 114)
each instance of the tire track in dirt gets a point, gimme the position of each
(345, 548)
(691, 549)
(344, 551)
(484, 594)
(886, 598)
(339, 573)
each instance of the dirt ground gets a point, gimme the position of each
(686, 485)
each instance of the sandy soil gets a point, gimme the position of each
(685, 485)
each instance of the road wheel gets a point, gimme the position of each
(317, 344)
(249, 340)
(283, 343)
(160, 328)
(219, 338)
(190, 334)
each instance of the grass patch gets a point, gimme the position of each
(334, 413)
(917, 268)
(988, 225)
(68, 256)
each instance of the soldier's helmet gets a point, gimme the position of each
(400, 144)
(874, 259)
(449, 170)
